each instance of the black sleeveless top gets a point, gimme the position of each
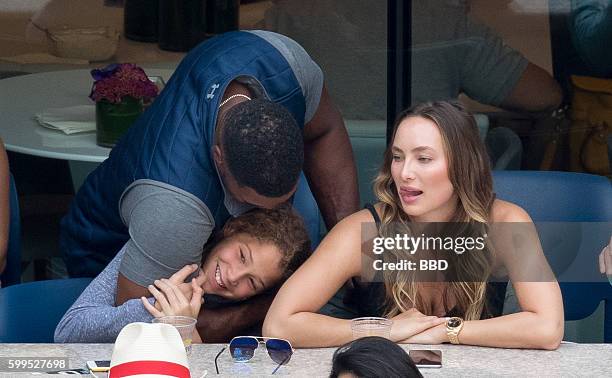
(369, 299)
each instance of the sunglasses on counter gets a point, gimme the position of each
(242, 349)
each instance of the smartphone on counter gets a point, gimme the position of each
(426, 358)
(63, 372)
(98, 366)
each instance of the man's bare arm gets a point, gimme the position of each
(329, 164)
(220, 325)
(127, 290)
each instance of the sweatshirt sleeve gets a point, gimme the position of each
(94, 318)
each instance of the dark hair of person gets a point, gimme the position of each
(282, 227)
(373, 357)
(263, 147)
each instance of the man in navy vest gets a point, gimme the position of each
(240, 117)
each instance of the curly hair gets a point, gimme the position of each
(264, 147)
(282, 227)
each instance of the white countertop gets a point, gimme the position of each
(457, 360)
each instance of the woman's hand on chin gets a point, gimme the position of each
(412, 323)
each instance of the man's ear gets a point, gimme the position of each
(217, 154)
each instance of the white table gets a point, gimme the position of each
(22, 97)
(570, 360)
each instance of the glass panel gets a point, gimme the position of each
(497, 57)
(348, 40)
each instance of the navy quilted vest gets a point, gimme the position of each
(171, 143)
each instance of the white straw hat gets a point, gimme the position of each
(149, 350)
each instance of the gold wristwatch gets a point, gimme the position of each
(453, 327)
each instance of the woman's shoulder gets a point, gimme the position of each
(361, 216)
(504, 211)
(351, 229)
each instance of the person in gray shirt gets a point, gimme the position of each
(451, 53)
(255, 253)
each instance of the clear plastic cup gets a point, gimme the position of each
(184, 324)
(371, 326)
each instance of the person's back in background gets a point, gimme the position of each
(451, 54)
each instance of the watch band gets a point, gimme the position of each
(454, 326)
(453, 337)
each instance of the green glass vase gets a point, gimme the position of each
(113, 120)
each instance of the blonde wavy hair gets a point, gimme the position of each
(470, 175)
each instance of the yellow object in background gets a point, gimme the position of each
(591, 124)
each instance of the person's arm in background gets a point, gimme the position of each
(495, 74)
(4, 206)
(329, 164)
(535, 91)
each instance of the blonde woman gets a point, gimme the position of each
(435, 170)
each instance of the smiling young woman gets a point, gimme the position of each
(253, 252)
(435, 171)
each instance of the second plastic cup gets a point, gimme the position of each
(363, 327)
(184, 324)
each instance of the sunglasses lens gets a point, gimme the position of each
(279, 350)
(243, 348)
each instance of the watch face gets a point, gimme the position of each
(454, 322)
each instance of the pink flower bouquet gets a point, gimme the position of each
(117, 81)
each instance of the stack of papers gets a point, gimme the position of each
(70, 120)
